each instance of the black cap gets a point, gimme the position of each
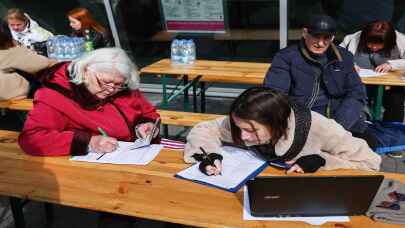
(321, 25)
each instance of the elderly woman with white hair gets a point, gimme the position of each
(97, 91)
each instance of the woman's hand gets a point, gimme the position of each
(144, 129)
(294, 168)
(102, 144)
(214, 170)
(383, 68)
(357, 68)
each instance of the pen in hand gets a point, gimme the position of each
(209, 159)
(104, 134)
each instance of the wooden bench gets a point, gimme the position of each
(149, 191)
(175, 118)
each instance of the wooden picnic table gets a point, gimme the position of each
(203, 71)
(149, 191)
(245, 73)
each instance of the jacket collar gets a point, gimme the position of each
(333, 54)
(285, 142)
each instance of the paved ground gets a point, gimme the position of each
(68, 217)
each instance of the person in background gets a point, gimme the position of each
(379, 47)
(266, 122)
(81, 20)
(99, 90)
(18, 65)
(321, 76)
(24, 29)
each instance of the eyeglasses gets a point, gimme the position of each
(110, 85)
(394, 205)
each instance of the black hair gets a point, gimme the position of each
(265, 106)
(6, 39)
(380, 32)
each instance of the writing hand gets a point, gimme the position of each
(294, 168)
(103, 144)
(144, 129)
(214, 170)
(383, 68)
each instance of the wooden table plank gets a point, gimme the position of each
(392, 78)
(213, 71)
(243, 72)
(143, 191)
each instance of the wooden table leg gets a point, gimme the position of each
(164, 102)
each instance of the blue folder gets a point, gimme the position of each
(233, 189)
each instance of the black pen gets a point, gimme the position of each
(209, 159)
(100, 156)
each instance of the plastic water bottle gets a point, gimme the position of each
(175, 53)
(50, 48)
(183, 52)
(69, 49)
(59, 55)
(190, 51)
(79, 49)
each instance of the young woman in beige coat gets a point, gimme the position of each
(15, 61)
(275, 128)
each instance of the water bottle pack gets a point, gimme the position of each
(64, 48)
(183, 51)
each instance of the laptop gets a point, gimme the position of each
(312, 195)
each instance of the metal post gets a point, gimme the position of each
(111, 22)
(283, 30)
(202, 89)
(195, 105)
(165, 101)
(186, 100)
(378, 104)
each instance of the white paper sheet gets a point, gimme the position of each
(311, 220)
(232, 173)
(367, 73)
(140, 156)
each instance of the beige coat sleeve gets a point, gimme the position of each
(340, 149)
(24, 59)
(13, 85)
(209, 135)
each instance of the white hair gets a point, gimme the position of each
(105, 60)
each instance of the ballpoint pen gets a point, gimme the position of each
(152, 132)
(209, 159)
(104, 134)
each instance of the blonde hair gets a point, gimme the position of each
(17, 14)
(105, 60)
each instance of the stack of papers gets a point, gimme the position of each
(367, 73)
(123, 155)
(311, 220)
(238, 166)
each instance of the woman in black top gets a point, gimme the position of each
(81, 20)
